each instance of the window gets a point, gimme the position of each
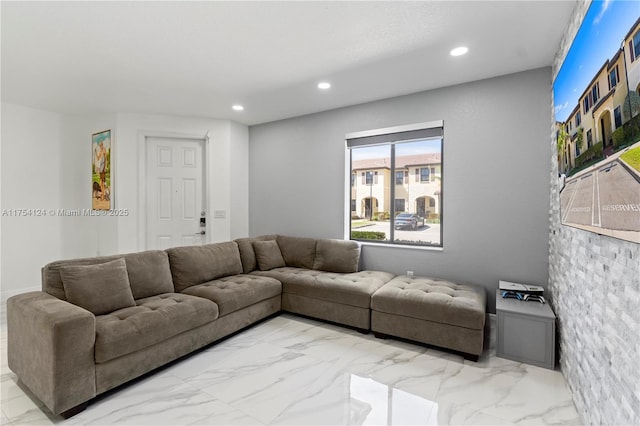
(591, 98)
(631, 55)
(636, 46)
(586, 103)
(401, 211)
(578, 119)
(613, 78)
(595, 93)
(617, 116)
(589, 138)
(353, 179)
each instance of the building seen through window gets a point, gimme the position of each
(398, 198)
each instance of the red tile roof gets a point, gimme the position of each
(371, 163)
(418, 160)
(402, 161)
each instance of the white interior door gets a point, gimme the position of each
(175, 200)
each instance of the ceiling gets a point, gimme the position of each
(200, 58)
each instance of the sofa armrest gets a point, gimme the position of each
(51, 349)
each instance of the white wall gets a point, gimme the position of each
(225, 147)
(2, 300)
(46, 164)
(82, 236)
(31, 179)
(239, 161)
(495, 186)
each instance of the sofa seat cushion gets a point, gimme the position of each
(353, 289)
(236, 292)
(432, 299)
(153, 320)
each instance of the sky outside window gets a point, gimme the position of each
(599, 38)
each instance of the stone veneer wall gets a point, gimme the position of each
(594, 286)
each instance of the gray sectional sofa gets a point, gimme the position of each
(100, 322)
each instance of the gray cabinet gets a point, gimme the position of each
(526, 332)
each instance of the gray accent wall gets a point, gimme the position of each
(595, 286)
(495, 184)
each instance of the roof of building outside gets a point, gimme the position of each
(402, 161)
(612, 61)
(602, 101)
(594, 79)
(575, 111)
(371, 163)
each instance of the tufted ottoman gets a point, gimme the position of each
(431, 311)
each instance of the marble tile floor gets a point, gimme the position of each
(296, 371)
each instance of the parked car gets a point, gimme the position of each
(408, 220)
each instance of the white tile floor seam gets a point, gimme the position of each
(295, 371)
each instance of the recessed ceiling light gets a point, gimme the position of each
(324, 85)
(238, 108)
(459, 51)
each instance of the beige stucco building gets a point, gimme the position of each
(632, 56)
(603, 106)
(416, 183)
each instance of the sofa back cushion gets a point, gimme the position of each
(268, 255)
(298, 252)
(193, 265)
(148, 273)
(100, 289)
(337, 256)
(248, 254)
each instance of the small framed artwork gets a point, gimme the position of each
(101, 175)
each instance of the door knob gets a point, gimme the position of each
(201, 233)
